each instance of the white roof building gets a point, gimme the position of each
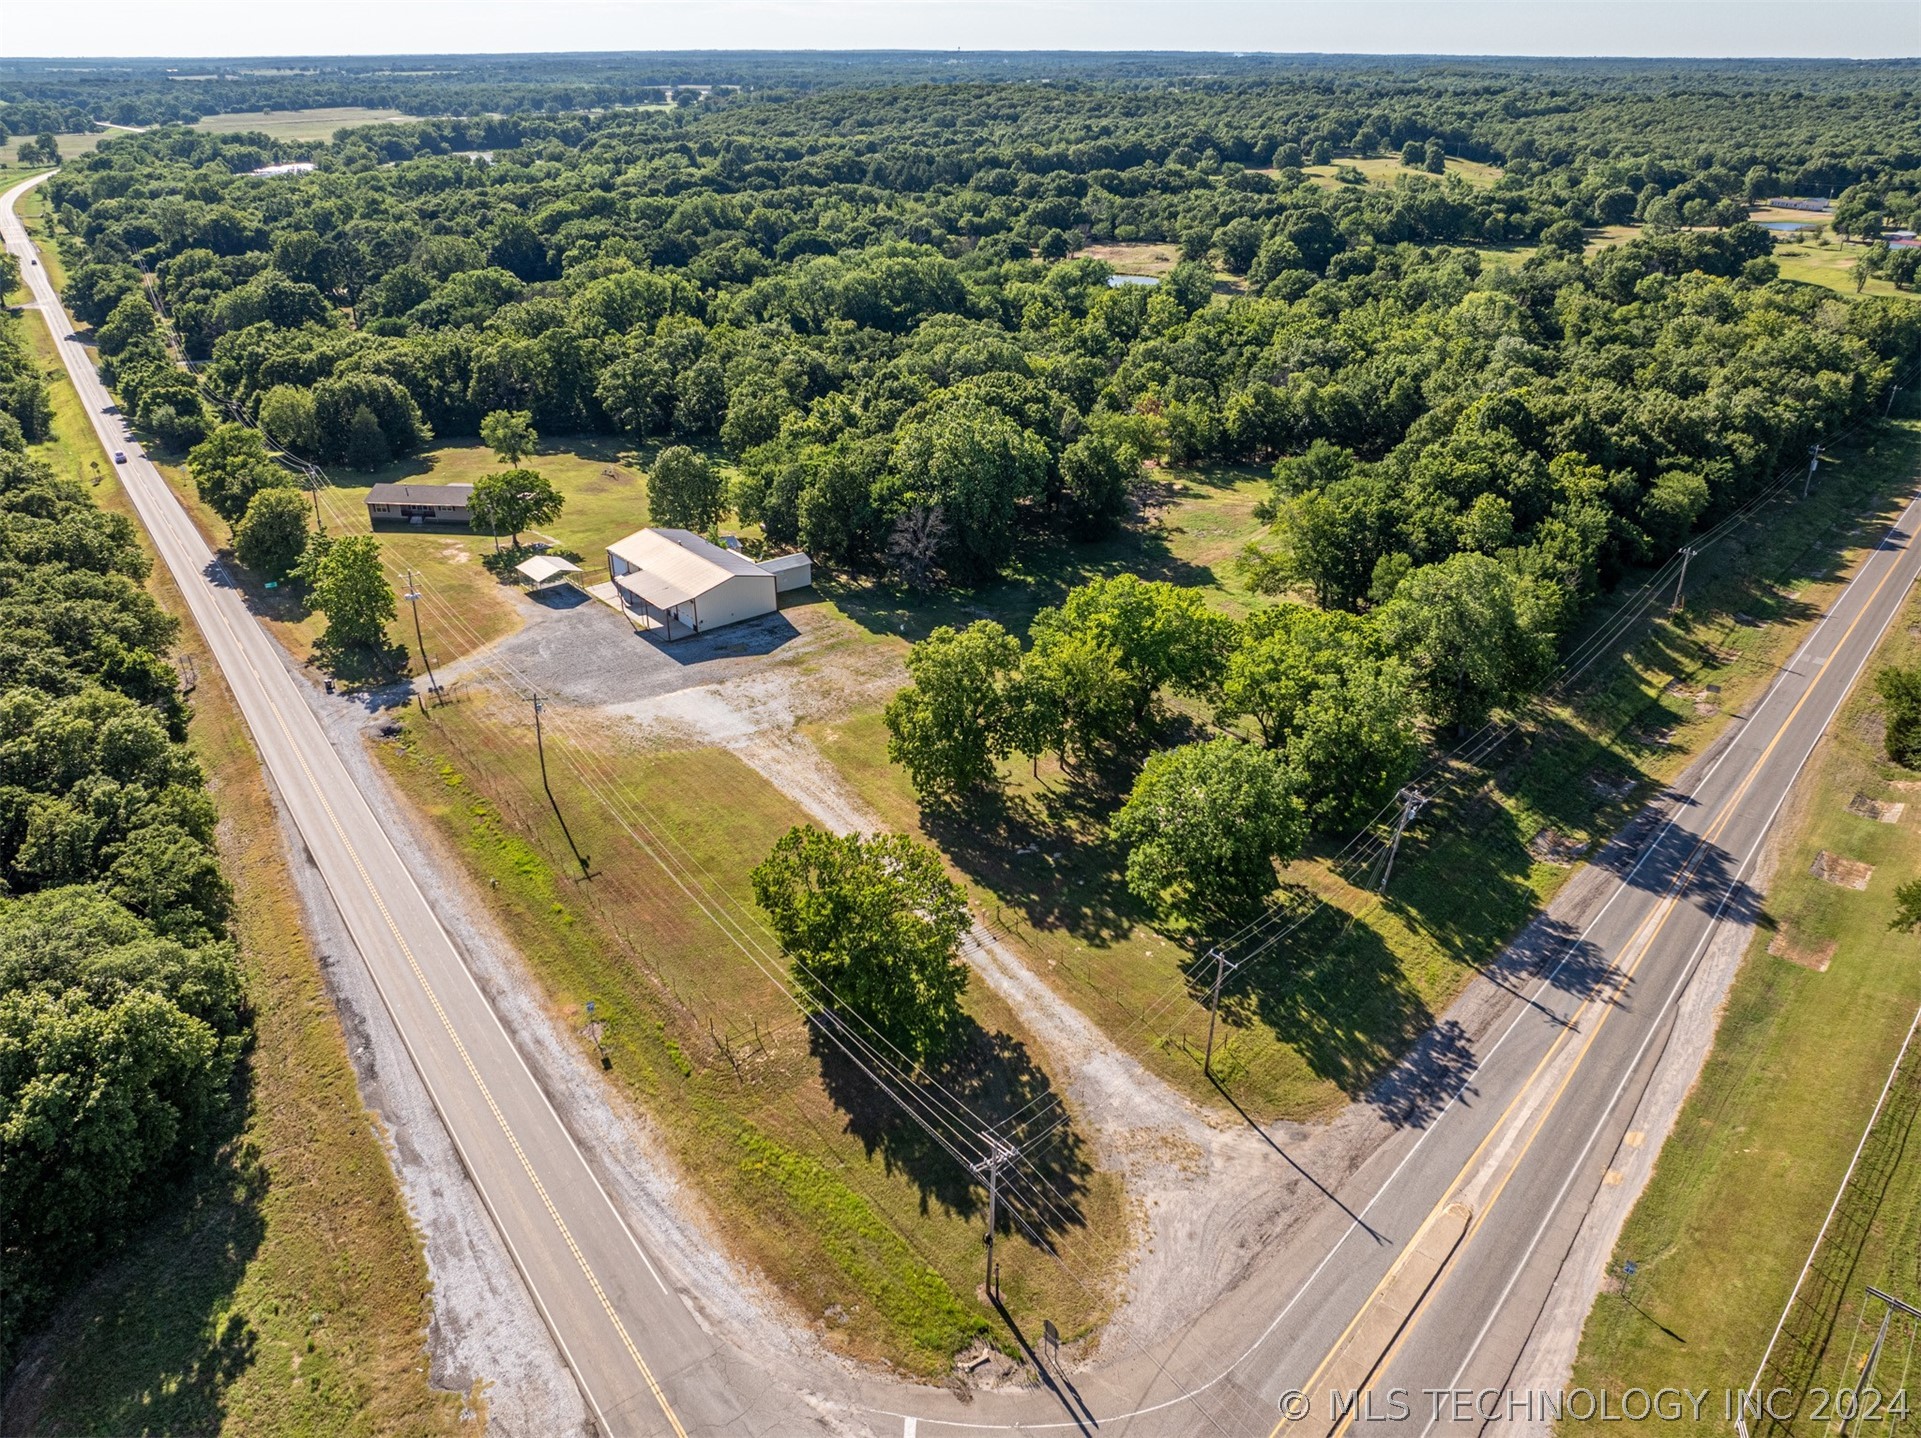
(546, 569)
(677, 581)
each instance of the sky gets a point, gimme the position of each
(1864, 29)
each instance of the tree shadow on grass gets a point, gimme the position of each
(1044, 568)
(1046, 854)
(150, 1344)
(986, 1079)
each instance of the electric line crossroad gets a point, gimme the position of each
(643, 1362)
(1559, 1081)
(1528, 1124)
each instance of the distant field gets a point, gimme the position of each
(1382, 170)
(70, 145)
(299, 124)
(1830, 266)
(1134, 259)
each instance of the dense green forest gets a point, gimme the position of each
(870, 292)
(866, 297)
(121, 1017)
(873, 299)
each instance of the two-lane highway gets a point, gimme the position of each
(1508, 1170)
(642, 1361)
(1425, 1269)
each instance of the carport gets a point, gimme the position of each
(544, 571)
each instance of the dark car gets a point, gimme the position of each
(119, 456)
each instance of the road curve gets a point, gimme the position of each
(643, 1362)
(1533, 1106)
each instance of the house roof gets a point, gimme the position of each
(682, 560)
(782, 563)
(456, 494)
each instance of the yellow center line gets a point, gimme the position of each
(460, 1047)
(473, 1072)
(1658, 919)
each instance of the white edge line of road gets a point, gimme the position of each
(8, 201)
(1651, 846)
(1686, 976)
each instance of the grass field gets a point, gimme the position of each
(606, 498)
(1830, 266)
(298, 124)
(69, 146)
(1135, 259)
(1312, 1026)
(1815, 1018)
(1385, 169)
(872, 1232)
(283, 1292)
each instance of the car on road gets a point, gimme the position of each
(119, 456)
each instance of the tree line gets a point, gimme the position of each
(122, 1017)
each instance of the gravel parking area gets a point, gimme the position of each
(577, 651)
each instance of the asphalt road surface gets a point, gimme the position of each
(1425, 1270)
(643, 1362)
(1520, 1155)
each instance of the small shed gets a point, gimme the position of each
(419, 503)
(790, 571)
(546, 569)
(676, 580)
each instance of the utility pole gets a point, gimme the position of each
(999, 1151)
(540, 743)
(1680, 587)
(1893, 390)
(1814, 461)
(1213, 1008)
(413, 603)
(1874, 1354)
(1411, 801)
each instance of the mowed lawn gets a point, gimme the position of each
(1811, 1027)
(811, 1175)
(1830, 266)
(466, 606)
(1324, 1014)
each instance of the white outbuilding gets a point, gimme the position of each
(675, 580)
(790, 571)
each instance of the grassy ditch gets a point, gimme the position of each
(1321, 1017)
(805, 1170)
(1811, 1026)
(283, 1291)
